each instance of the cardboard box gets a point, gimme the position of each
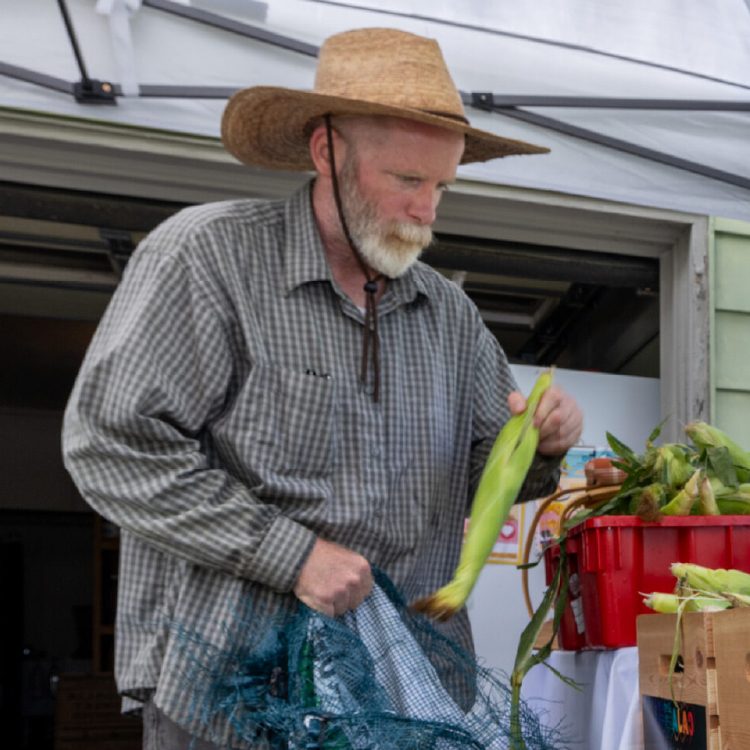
(711, 685)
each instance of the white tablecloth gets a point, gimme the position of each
(606, 713)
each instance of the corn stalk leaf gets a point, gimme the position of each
(622, 450)
(569, 681)
(656, 432)
(720, 462)
(557, 595)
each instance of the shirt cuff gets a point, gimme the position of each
(543, 477)
(283, 551)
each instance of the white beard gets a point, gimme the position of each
(390, 248)
(394, 252)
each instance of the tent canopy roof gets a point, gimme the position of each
(682, 54)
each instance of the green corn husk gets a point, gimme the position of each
(667, 604)
(682, 503)
(503, 476)
(706, 505)
(720, 489)
(732, 505)
(738, 600)
(706, 436)
(716, 580)
(670, 603)
(672, 465)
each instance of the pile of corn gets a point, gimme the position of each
(710, 476)
(700, 589)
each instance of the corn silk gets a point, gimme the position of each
(362, 681)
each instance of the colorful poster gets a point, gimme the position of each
(508, 548)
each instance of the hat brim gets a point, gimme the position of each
(266, 126)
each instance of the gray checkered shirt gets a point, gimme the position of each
(218, 419)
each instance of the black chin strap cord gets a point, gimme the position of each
(370, 331)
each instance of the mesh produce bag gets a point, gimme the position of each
(359, 682)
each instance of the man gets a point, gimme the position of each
(279, 395)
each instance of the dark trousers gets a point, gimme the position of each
(161, 733)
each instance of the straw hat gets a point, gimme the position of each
(361, 72)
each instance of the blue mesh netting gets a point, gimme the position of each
(359, 682)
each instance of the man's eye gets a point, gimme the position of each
(409, 180)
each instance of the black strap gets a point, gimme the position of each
(370, 331)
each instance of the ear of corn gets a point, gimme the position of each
(738, 600)
(733, 506)
(706, 504)
(647, 504)
(707, 436)
(661, 602)
(682, 503)
(732, 500)
(502, 478)
(670, 603)
(671, 465)
(716, 580)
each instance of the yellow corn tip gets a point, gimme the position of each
(664, 603)
(682, 503)
(502, 478)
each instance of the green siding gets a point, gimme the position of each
(730, 339)
(732, 352)
(733, 415)
(732, 272)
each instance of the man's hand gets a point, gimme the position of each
(333, 579)
(558, 418)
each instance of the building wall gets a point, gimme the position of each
(730, 339)
(31, 467)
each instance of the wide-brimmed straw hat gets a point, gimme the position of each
(361, 72)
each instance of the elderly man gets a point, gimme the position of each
(279, 395)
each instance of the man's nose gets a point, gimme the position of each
(423, 207)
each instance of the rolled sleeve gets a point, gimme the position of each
(157, 371)
(494, 383)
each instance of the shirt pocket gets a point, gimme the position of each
(288, 420)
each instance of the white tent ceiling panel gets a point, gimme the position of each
(580, 168)
(707, 38)
(716, 138)
(169, 50)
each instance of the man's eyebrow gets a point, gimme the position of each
(418, 176)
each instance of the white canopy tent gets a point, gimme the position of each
(678, 136)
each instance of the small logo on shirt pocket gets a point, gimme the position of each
(316, 374)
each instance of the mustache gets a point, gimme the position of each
(401, 233)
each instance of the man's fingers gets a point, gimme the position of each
(516, 402)
(333, 579)
(558, 418)
(549, 404)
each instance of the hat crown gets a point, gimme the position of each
(390, 67)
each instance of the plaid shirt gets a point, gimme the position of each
(218, 419)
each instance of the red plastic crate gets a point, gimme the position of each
(614, 560)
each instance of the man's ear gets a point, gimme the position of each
(319, 150)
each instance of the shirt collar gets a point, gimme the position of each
(304, 256)
(305, 259)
